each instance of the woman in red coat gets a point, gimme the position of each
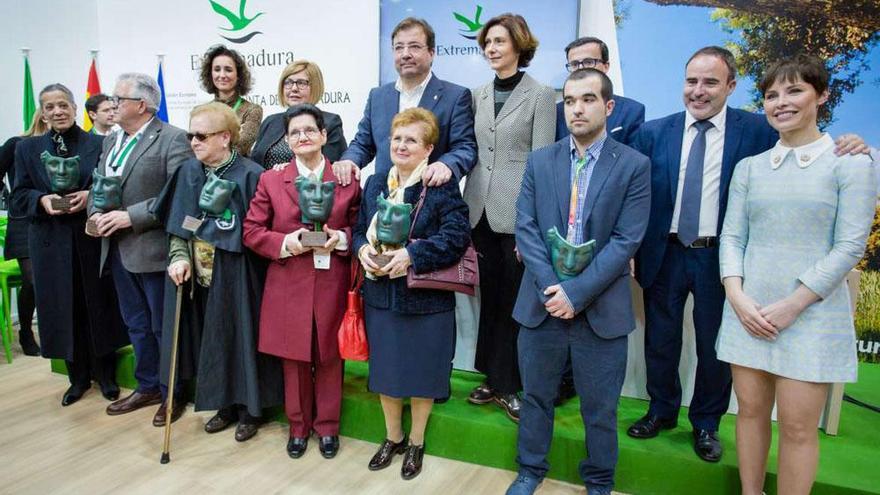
(305, 293)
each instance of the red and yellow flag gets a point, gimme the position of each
(92, 88)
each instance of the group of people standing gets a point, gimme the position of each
(702, 200)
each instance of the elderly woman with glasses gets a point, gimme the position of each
(203, 206)
(301, 82)
(225, 75)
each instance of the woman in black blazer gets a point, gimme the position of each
(301, 82)
(411, 332)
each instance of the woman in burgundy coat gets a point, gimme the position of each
(305, 293)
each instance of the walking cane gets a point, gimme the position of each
(166, 451)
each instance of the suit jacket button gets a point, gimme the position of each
(489, 167)
(491, 148)
(491, 129)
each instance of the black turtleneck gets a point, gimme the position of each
(503, 89)
(65, 142)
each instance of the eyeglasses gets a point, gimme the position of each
(199, 136)
(116, 99)
(299, 83)
(586, 63)
(308, 132)
(412, 47)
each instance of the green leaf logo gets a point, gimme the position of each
(472, 26)
(237, 22)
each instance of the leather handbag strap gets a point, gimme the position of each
(419, 204)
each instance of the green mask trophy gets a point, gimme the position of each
(63, 177)
(315, 203)
(392, 227)
(215, 196)
(106, 196)
(568, 260)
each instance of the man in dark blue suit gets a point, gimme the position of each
(456, 150)
(589, 187)
(628, 114)
(693, 154)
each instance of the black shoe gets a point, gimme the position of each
(511, 405)
(649, 426)
(412, 461)
(442, 400)
(482, 394)
(245, 431)
(29, 346)
(218, 422)
(73, 394)
(706, 445)
(566, 393)
(382, 458)
(109, 390)
(296, 447)
(329, 446)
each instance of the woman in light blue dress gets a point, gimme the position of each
(797, 221)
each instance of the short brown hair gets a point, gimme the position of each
(316, 80)
(716, 51)
(417, 115)
(524, 42)
(228, 120)
(411, 22)
(808, 68)
(243, 74)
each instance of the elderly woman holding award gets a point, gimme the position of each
(203, 206)
(301, 219)
(411, 332)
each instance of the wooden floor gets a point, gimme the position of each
(48, 449)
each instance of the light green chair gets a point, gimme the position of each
(10, 277)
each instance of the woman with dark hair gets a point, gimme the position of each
(513, 115)
(797, 221)
(300, 82)
(79, 315)
(305, 293)
(16, 245)
(225, 75)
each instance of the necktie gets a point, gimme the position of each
(692, 193)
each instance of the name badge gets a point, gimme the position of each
(191, 224)
(322, 261)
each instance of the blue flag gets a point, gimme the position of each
(163, 108)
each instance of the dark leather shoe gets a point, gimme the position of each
(296, 447)
(159, 418)
(73, 394)
(133, 402)
(566, 393)
(329, 446)
(707, 446)
(218, 422)
(649, 426)
(511, 405)
(383, 457)
(110, 390)
(412, 461)
(245, 431)
(482, 394)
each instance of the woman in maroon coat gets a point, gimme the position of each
(305, 293)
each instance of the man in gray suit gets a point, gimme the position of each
(144, 152)
(587, 187)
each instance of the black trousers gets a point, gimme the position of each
(86, 366)
(500, 275)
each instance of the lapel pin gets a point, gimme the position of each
(435, 97)
(805, 158)
(777, 159)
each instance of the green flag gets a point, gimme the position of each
(29, 108)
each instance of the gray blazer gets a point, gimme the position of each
(162, 148)
(526, 122)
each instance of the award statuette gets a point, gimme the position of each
(392, 228)
(315, 203)
(106, 196)
(568, 260)
(63, 177)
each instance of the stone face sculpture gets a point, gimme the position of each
(315, 203)
(392, 222)
(215, 195)
(63, 172)
(106, 192)
(568, 260)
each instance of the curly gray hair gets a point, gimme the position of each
(144, 87)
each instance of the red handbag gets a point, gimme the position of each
(352, 335)
(462, 276)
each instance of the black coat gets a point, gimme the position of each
(218, 332)
(58, 247)
(16, 230)
(272, 129)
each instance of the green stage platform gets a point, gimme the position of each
(664, 465)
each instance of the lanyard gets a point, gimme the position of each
(572, 206)
(237, 104)
(117, 159)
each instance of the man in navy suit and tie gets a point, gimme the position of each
(693, 154)
(628, 114)
(589, 187)
(456, 150)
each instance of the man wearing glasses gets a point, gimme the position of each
(456, 150)
(592, 53)
(144, 152)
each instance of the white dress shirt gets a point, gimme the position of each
(711, 196)
(304, 171)
(411, 99)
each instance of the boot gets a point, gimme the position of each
(28, 345)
